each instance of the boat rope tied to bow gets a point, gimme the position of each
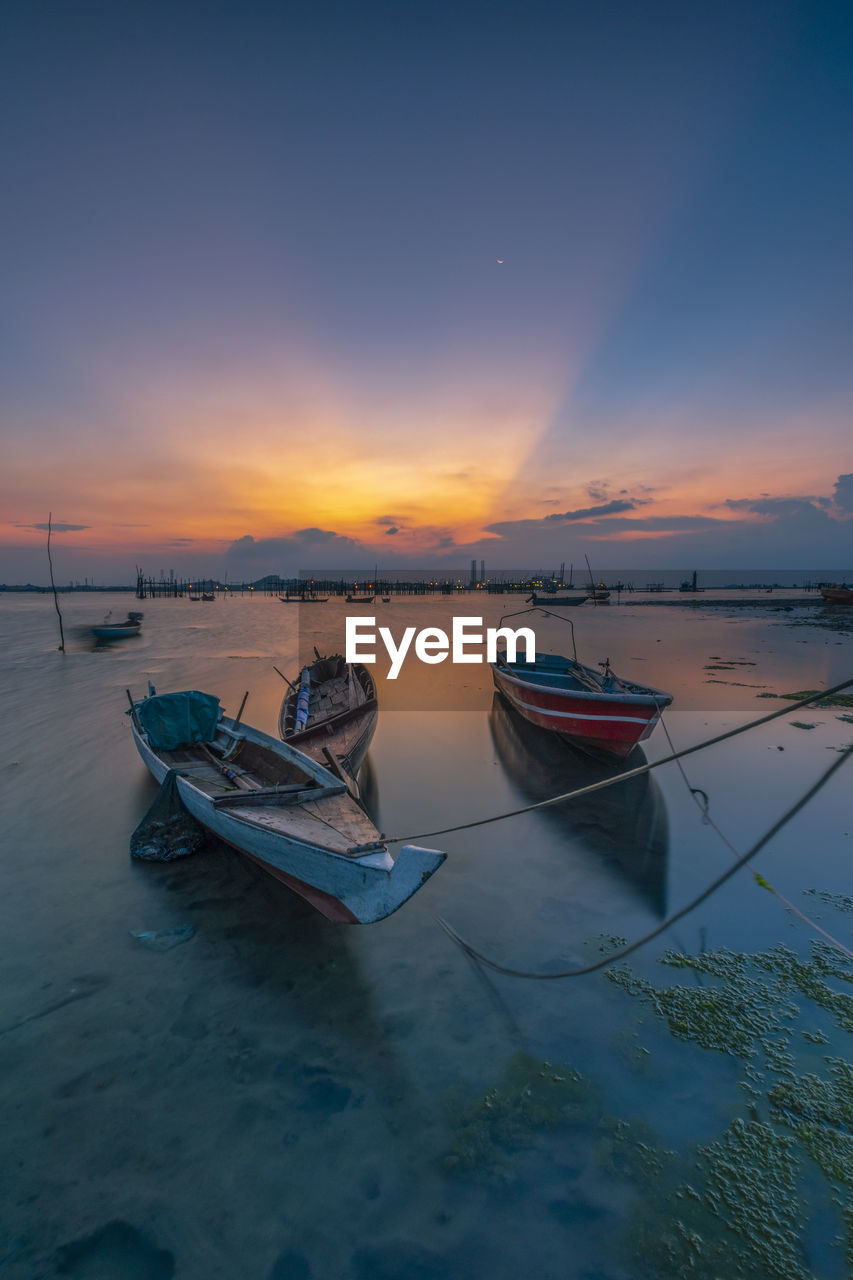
(629, 773)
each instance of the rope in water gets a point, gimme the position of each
(676, 916)
(621, 777)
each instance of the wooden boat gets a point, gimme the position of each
(330, 713)
(599, 595)
(548, 600)
(107, 630)
(278, 807)
(595, 710)
(360, 599)
(208, 596)
(306, 599)
(837, 593)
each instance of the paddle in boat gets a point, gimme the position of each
(280, 808)
(107, 630)
(595, 710)
(330, 713)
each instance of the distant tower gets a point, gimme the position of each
(482, 571)
(473, 573)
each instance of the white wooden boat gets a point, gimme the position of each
(278, 807)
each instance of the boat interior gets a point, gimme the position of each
(334, 688)
(552, 671)
(274, 791)
(230, 762)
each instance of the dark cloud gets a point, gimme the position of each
(800, 506)
(616, 506)
(301, 546)
(604, 509)
(776, 507)
(392, 529)
(843, 494)
(657, 524)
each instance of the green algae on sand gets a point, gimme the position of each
(738, 1206)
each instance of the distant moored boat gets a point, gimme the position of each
(107, 630)
(837, 593)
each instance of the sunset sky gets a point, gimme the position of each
(335, 284)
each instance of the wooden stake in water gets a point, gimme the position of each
(53, 584)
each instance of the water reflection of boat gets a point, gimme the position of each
(625, 825)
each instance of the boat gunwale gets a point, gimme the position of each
(650, 696)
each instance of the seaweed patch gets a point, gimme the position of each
(738, 1207)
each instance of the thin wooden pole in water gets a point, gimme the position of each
(53, 584)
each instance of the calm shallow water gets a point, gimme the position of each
(279, 1096)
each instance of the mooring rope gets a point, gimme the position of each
(676, 916)
(704, 806)
(621, 777)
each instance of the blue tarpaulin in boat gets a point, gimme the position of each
(174, 720)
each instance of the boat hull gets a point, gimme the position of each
(344, 889)
(349, 736)
(108, 632)
(561, 602)
(597, 722)
(837, 595)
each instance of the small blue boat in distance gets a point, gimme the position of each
(560, 601)
(107, 630)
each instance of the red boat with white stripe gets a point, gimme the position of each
(596, 710)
